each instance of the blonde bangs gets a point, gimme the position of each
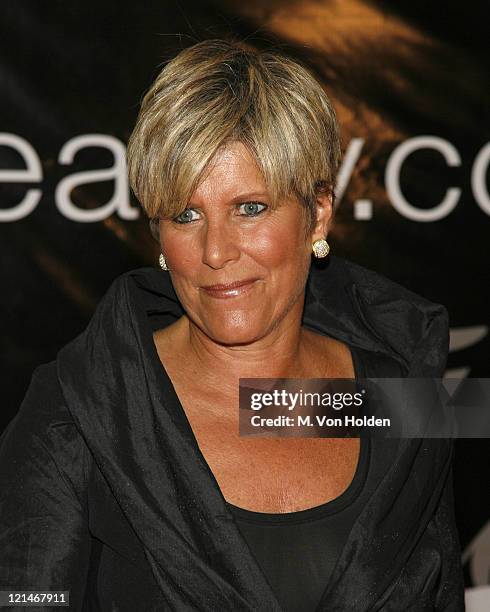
(216, 92)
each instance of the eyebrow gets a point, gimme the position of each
(243, 196)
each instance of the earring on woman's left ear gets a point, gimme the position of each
(163, 262)
(320, 248)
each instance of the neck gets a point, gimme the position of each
(278, 354)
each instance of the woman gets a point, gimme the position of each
(124, 479)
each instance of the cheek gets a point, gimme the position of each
(181, 252)
(277, 246)
(184, 262)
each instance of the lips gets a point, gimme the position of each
(227, 290)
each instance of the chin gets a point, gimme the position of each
(234, 330)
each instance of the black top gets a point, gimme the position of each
(297, 551)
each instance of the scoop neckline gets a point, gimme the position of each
(333, 506)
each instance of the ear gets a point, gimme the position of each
(324, 213)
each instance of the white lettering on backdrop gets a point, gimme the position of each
(120, 204)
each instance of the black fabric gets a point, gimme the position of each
(104, 490)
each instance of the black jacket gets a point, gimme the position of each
(104, 491)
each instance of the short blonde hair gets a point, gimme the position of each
(218, 91)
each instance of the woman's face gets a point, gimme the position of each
(228, 234)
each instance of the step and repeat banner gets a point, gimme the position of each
(410, 83)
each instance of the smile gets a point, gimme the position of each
(229, 290)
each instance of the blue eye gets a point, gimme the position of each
(185, 216)
(252, 208)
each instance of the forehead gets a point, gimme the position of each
(231, 171)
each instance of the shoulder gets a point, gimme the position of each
(43, 404)
(410, 323)
(405, 323)
(378, 288)
(44, 431)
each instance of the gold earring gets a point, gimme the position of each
(162, 261)
(320, 248)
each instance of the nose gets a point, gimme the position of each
(220, 245)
